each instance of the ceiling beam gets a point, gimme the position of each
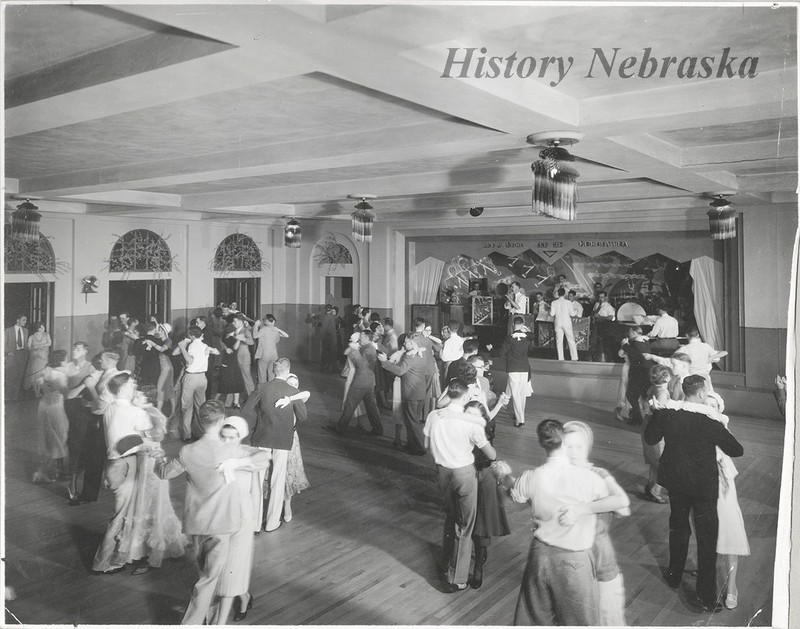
(358, 149)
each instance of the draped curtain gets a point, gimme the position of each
(707, 288)
(426, 280)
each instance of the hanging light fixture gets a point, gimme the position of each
(292, 234)
(721, 219)
(25, 222)
(362, 218)
(555, 186)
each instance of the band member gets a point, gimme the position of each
(516, 304)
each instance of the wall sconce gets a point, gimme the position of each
(88, 285)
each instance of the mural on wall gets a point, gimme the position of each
(331, 253)
(652, 276)
(239, 252)
(462, 269)
(140, 250)
(36, 257)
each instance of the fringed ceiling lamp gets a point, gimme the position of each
(362, 218)
(25, 222)
(721, 219)
(555, 186)
(292, 234)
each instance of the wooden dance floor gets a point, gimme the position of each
(363, 544)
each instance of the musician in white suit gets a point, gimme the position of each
(561, 309)
(516, 303)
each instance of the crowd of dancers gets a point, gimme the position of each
(224, 383)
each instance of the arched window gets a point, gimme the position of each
(238, 252)
(140, 250)
(22, 256)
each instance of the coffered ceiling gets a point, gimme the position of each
(233, 112)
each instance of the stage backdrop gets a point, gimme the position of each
(637, 266)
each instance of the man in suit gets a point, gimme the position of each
(16, 348)
(516, 348)
(212, 507)
(362, 387)
(636, 348)
(94, 440)
(413, 372)
(688, 469)
(274, 430)
(328, 335)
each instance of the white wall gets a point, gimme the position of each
(768, 240)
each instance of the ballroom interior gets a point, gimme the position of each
(182, 155)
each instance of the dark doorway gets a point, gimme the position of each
(141, 298)
(339, 293)
(33, 299)
(245, 291)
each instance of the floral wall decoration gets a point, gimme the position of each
(239, 252)
(37, 257)
(331, 253)
(141, 250)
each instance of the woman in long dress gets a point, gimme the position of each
(38, 351)
(231, 381)
(578, 441)
(397, 400)
(130, 335)
(732, 536)
(490, 519)
(234, 582)
(158, 527)
(144, 525)
(361, 412)
(434, 386)
(296, 479)
(148, 357)
(165, 387)
(52, 418)
(245, 338)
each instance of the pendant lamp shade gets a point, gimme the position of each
(362, 220)
(25, 222)
(292, 234)
(555, 179)
(722, 219)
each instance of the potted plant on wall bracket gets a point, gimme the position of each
(141, 250)
(31, 256)
(331, 253)
(239, 252)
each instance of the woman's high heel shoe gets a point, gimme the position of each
(241, 615)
